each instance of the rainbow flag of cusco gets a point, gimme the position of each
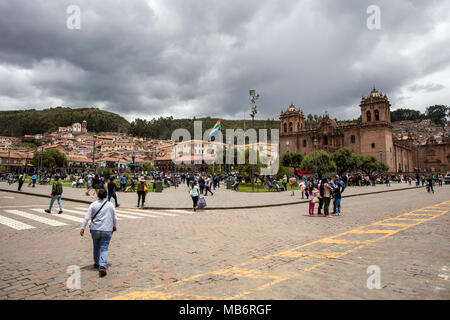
(214, 130)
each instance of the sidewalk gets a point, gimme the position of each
(172, 198)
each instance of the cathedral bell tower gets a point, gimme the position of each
(375, 109)
(291, 121)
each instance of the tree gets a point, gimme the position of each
(325, 163)
(369, 164)
(345, 160)
(438, 114)
(405, 114)
(148, 166)
(292, 159)
(282, 171)
(51, 159)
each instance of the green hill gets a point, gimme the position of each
(19, 123)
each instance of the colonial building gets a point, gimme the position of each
(371, 135)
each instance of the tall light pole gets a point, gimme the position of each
(253, 97)
(9, 159)
(93, 154)
(316, 175)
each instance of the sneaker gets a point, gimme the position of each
(118, 205)
(96, 266)
(48, 211)
(102, 271)
(60, 212)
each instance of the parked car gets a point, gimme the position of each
(447, 178)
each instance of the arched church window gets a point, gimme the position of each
(377, 115)
(369, 116)
(290, 126)
(285, 127)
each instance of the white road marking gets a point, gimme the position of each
(164, 213)
(137, 214)
(119, 215)
(81, 213)
(180, 211)
(34, 217)
(64, 216)
(14, 224)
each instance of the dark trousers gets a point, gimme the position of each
(114, 196)
(202, 188)
(194, 201)
(208, 189)
(430, 187)
(141, 195)
(320, 206)
(20, 185)
(326, 205)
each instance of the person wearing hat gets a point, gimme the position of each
(284, 181)
(338, 187)
(142, 190)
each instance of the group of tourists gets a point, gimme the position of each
(322, 192)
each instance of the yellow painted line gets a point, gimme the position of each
(293, 252)
(392, 224)
(340, 241)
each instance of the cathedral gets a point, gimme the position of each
(371, 135)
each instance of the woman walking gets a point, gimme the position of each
(142, 190)
(194, 194)
(325, 193)
(103, 223)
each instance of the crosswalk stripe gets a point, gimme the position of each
(138, 214)
(14, 223)
(64, 216)
(81, 213)
(164, 213)
(120, 215)
(180, 211)
(34, 217)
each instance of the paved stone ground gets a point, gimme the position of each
(261, 253)
(223, 198)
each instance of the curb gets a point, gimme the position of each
(215, 208)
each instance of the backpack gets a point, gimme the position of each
(57, 188)
(201, 203)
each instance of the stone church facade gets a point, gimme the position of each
(371, 135)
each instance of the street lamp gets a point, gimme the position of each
(9, 159)
(316, 176)
(253, 97)
(93, 153)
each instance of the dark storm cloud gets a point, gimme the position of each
(191, 58)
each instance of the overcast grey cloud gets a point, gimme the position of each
(189, 58)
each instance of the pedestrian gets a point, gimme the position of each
(103, 223)
(57, 190)
(208, 183)
(194, 192)
(284, 182)
(142, 190)
(112, 188)
(325, 193)
(201, 184)
(21, 180)
(441, 179)
(293, 184)
(388, 182)
(338, 187)
(303, 188)
(311, 193)
(96, 184)
(123, 183)
(429, 183)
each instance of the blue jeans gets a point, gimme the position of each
(337, 204)
(101, 241)
(114, 196)
(59, 202)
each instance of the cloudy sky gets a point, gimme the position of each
(185, 58)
